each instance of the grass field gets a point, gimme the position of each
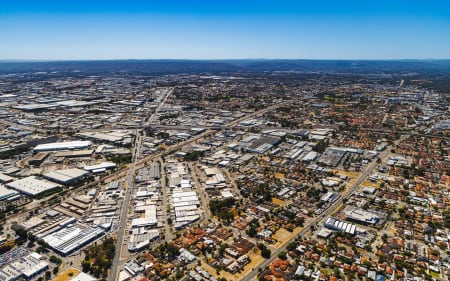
(371, 184)
(282, 236)
(65, 276)
(277, 201)
(350, 175)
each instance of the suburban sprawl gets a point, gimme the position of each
(270, 175)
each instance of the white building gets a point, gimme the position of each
(101, 166)
(6, 193)
(27, 267)
(32, 186)
(71, 238)
(186, 208)
(66, 176)
(67, 145)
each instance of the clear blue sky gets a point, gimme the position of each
(215, 29)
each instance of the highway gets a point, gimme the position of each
(364, 174)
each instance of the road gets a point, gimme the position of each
(200, 190)
(124, 211)
(161, 104)
(136, 153)
(165, 200)
(364, 174)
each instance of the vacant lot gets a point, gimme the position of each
(67, 274)
(282, 236)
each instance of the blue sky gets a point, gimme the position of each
(153, 29)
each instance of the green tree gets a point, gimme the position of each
(266, 253)
(252, 232)
(56, 270)
(282, 255)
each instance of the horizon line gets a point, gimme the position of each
(219, 59)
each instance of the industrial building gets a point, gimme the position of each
(106, 136)
(38, 159)
(259, 144)
(75, 153)
(338, 225)
(310, 156)
(67, 176)
(148, 174)
(5, 178)
(141, 238)
(67, 145)
(71, 238)
(155, 171)
(6, 193)
(32, 186)
(186, 205)
(26, 267)
(101, 167)
(332, 157)
(330, 197)
(149, 218)
(83, 277)
(361, 216)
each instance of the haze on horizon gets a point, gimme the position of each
(324, 29)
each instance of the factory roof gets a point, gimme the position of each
(83, 277)
(30, 264)
(32, 186)
(149, 216)
(71, 238)
(6, 192)
(76, 153)
(103, 165)
(63, 145)
(65, 176)
(5, 178)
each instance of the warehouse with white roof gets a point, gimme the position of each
(66, 176)
(6, 193)
(67, 145)
(26, 267)
(71, 238)
(149, 218)
(186, 204)
(32, 186)
(100, 167)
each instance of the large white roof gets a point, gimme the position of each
(83, 277)
(103, 165)
(62, 145)
(32, 186)
(65, 175)
(6, 192)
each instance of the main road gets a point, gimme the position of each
(129, 188)
(201, 191)
(124, 211)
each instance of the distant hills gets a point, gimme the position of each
(225, 66)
